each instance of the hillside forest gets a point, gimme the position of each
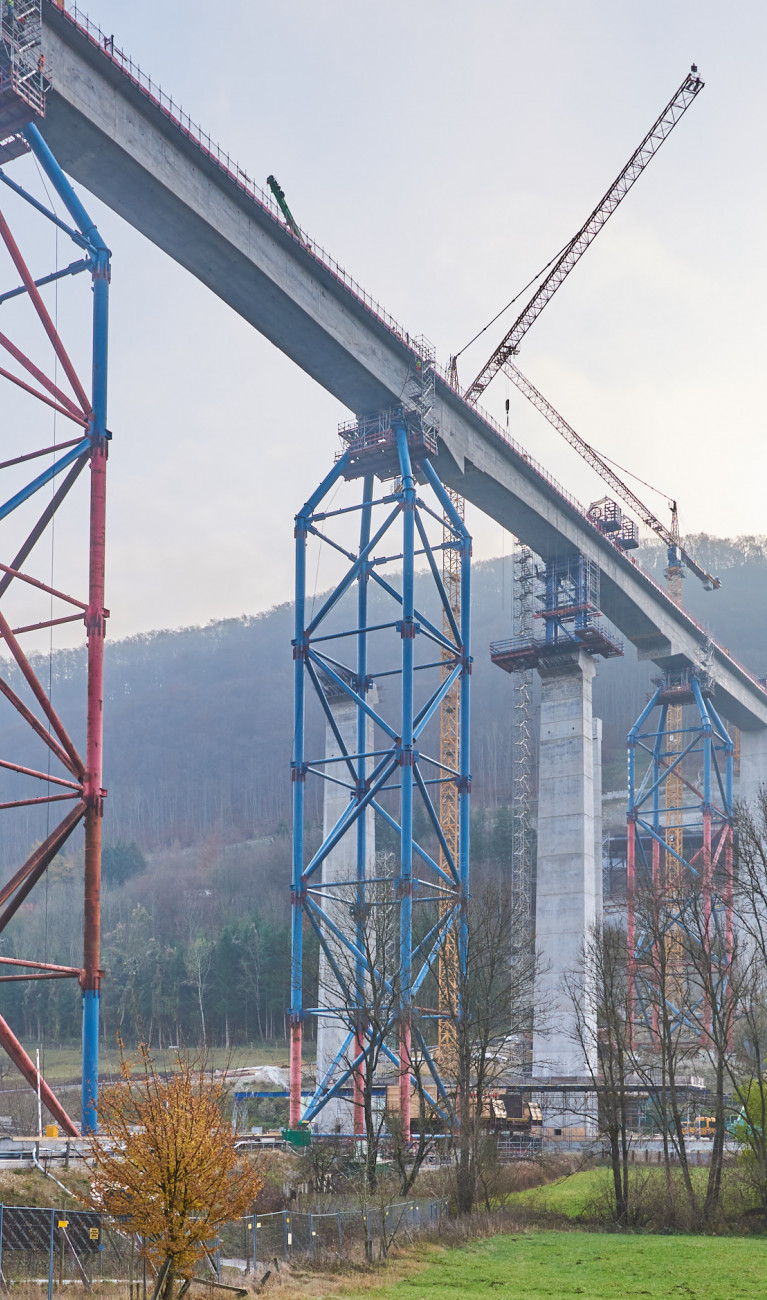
(196, 868)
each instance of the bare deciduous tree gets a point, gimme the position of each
(601, 986)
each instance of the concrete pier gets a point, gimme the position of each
(568, 893)
(339, 865)
(753, 765)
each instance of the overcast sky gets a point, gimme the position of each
(443, 152)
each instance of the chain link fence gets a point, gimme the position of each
(259, 1239)
(55, 1248)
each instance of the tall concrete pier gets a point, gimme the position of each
(568, 895)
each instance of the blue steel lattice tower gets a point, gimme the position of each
(388, 770)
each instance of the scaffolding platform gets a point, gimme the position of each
(15, 114)
(372, 445)
(519, 653)
(677, 688)
(22, 83)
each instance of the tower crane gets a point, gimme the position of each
(572, 253)
(501, 359)
(564, 263)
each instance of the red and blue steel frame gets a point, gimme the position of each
(704, 871)
(82, 782)
(396, 766)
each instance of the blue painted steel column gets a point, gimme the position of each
(464, 787)
(407, 759)
(362, 690)
(298, 777)
(66, 193)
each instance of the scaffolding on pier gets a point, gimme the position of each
(566, 593)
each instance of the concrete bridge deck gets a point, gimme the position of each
(123, 140)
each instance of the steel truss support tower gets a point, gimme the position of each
(679, 850)
(382, 636)
(50, 770)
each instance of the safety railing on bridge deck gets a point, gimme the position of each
(223, 159)
(239, 176)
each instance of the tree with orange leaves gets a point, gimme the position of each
(164, 1162)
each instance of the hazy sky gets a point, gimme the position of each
(443, 152)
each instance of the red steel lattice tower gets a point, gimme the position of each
(43, 375)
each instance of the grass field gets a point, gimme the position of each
(582, 1193)
(62, 1064)
(597, 1266)
(569, 1195)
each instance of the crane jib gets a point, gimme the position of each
(605, 471)
(659, 131)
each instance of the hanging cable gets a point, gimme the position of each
(518, 295)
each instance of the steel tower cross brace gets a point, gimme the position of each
(397, 639)
(61, 772)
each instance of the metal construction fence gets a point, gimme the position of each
(63, 1246)
(60, 1247)
(248, 1243)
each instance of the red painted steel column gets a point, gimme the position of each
(296, 1040)
(707, 880)
(728, 891)
(93, 793)
(657, 914)
(359, 1083)
(404, 1080)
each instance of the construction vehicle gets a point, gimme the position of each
(509, 1114)
(703, 1126)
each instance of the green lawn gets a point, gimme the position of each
(568, 1196)
(598, 1266)
(62, 1064)
(583, 1192)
